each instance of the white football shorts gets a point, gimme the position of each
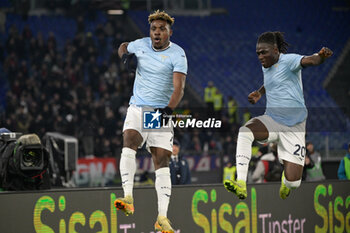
(290, 139)
(162, 138)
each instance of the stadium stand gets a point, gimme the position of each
(220, 48)
(60, 74)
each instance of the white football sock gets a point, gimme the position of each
(127, 169)
(243, 152)
(163, 188)
(292, 184)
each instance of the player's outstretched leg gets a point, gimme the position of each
(163, 225)
(243, 155)
(127, 171)
(238, 187)
(125, 204)
(163, 188)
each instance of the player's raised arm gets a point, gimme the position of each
(317, 58)
(123, 49)
(125, 55)
(254, 96)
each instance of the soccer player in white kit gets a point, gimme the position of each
(285, 116)
(159, 86)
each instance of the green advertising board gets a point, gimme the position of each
(314, 207)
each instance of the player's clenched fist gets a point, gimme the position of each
(325, 53)
(254, 97)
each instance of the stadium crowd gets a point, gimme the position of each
(66, 91)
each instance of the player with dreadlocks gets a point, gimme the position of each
(285, 115)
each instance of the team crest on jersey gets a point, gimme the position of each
(164, 57)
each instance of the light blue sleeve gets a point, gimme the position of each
(180, 62)
(294, 61)
(133, 45)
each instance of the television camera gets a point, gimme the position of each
(23, 162)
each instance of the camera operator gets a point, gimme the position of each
(23, 162)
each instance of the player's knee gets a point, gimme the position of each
(161, 164)
(160, 160)
(132, 139)
(292, 184)
(246, 133)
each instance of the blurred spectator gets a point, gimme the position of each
(309, 164)
(344, 166)
(179, 170)
(80, 25)
(229, 146)
(218, 104)
(258, 172)
(106, 148)
(232, 110)
(2, 21)
(196, 144)
(209, 93)
(246, 116)
(229, 172)
(315, 173)
(86, 134)
(22, 8)
(268, 168)
(143, 178)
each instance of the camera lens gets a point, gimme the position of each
(31, 158)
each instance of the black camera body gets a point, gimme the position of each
(23, 162)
